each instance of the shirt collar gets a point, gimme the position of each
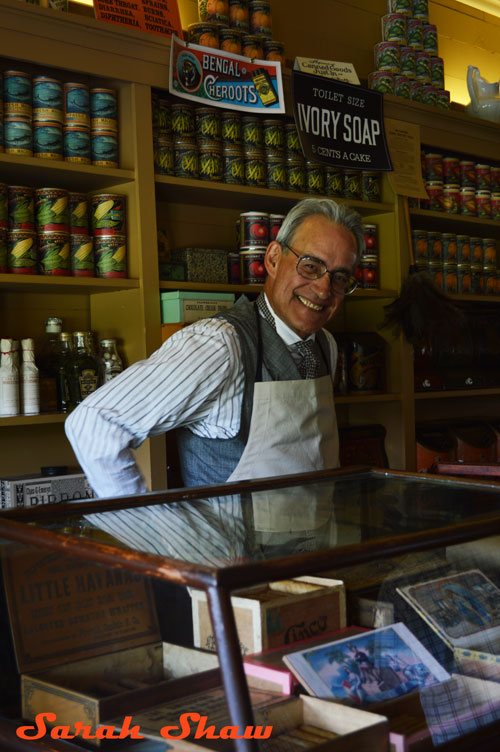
(288, 336)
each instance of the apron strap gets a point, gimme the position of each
(260, 348)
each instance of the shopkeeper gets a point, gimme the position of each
(249, 390)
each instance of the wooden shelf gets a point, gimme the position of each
(33, 420)
(436, 220)
(452, 394)
(60, 174)
(76, 285)
(354, 399)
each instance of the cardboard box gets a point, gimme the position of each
(186, 307)
(201, 264)
(168, 329)
(31, 490)
(277, 614)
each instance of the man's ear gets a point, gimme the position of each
(272, 258)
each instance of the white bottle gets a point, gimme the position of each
(28, 380)
(9, 381)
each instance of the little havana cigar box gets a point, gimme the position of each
(86, 638)
(298, 723)
(276, 614)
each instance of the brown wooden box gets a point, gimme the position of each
(276, 614)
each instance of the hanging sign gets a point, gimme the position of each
(339, 124)
(222, 79)
(155, 16)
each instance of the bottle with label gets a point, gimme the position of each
(9, 381)
(85, 368)
(48, 364)
(110, 362)
(65, 397)
(29, 391)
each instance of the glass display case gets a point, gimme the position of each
(97, 592)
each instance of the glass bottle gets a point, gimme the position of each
(48, 365)
(9, 381)
(110, 362)
(84, 369)
(29, 391)
(65, 397)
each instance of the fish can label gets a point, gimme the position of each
(274, 135)
(110, 252)
(295, 175)
(164, 156)
(482, 176)
(420, 245)
(252, 269)
(18, 135)
(231, 128)
(47, 99)
(467, 173)
(208, 125)
(104, 148)
(334, 181)
(394, 28)
(78, 213)
(21, 208)
(77, 144)
(276, 173)
(401, 86)
(449, 244)
(382, 81)
(52, 210)
(260, 17)
(437, 72)
(238, 15)
(415, 33)
(22, 252)
(483, 204)
(230, 40)
(434, 246)
(186, 159)
(433, 166)
(254, 229)
(4, 206)
(430, 38)
(352, 184)
(451, 170)
(275, 222)
(489, 252)
(451, 198)
(468, 201)
(233, 268)
(463, 254)
(315, 178)
(76, 104)
(407, 62)
(205, 33)
(370, 186)
(17, 93)
(255, 168)
(4, 251)
(274, 50)
(48, 140)
(423, 67)
(210, 162)
(476, 250)
(82, 256)
(233, 166)
(103, 109)
(208, 10)
(251, 131)
(108, 214)
(54, 253)
(387, 56)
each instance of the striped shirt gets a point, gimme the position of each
(194, 379)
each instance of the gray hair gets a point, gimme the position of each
(339, 214)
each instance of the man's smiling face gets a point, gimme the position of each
(307, 305)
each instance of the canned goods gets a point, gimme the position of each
(48, 140)
(495, 178)
(415, 34)
(490, 280)
(451, 170)
(463, 252)
(476, 250)
(77, 144)
(416, 88)
(110, 252)
(17, 93)
(4, 251)
(423, 67)
(421, 9)
(76, 104)
(368, 266)
(260, 17)
(253, 270)
(78, 213)
(208, 125)
(467, 173)
(394, 28)
(231, 128)
(382, 81)
(273, 135)
(233, 166)
(352, 184)
(164, 117)
(213, 11)
(205, 33)
(18, 135)
(401, 86)
(420, 245)
(252, 135)
(435, 269)
(274, 50)
(464, 280)
(468, 201)
(370, 186)
(210, 162)
(47, 99)
(387, 56)
(433, 166)
(451, 198)
(430, 38)
(183, 121)
(443, 99)
(4, 206)
(21, 208)
(434, 190)
(108, 214)
(292, 141)
(255, 167)
(483, 204)
(482, 176)
(334, 181)
(104, 148)
(54, 253)
(82, 256)
(437, 71)
(295, 175)
(52, 210)
(450, 278)
(186, 159)
(230, 40)
(476, 280)
(315, 179)
(449, 246)
(254, 229)
(276, 173)
(163, 156)
(429, 95)
(238, 14)
(103, 109)
(252, 46)
(233, 268)
(489, 252)
(434, 247)
(275, 222)
(22, 252)
(400, 6)
(407, 61)
(495, 205)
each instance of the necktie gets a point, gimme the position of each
(309, 364)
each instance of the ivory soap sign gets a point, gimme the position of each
(340, 124)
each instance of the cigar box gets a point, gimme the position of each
(276, 614)
(86, 639)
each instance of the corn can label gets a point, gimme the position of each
(437, 72)
(423, 67)
(18, 135)
(400, 6)
(21, 208)
(76, 104)
(334, 181)
(104, 149)
(4, 206)
(54, 253)
(48, 140)
(110, 253)
(208, 125)
(253, 271)
(78, 213)
(231, 128)
(22, 252)
(52, 210)
(238, 15)
(295, 175)
(443, 99)
(276, 173)
(47, 99)
(77, 144)
(416, 88)
(394, 28)
(450, 250)
(429, 95)
(82, 256)
(315, 178)
(401, 86)
(108, 214)
(4, 251)
(421, 9)
(233, 167)
(186, 160)
(210, 163)
(255, 169)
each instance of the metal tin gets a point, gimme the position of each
(400, 6)
(315, 179)
(183, 121)
(110, 254)
(108, 214)
(214, 11)
(164, 117)
(407, 62)
(370, 186)
(420, 245)
(490, 280)
(416, 88)
(401, 86)
(451, 198)
(252, 46)
(48, 140)
(468, 201)
(54, 254)
(467, 173)
(186, 159)
(451, 170)
(251, 130)
(238, 15)
(295, 175)
(386, 55)
(231, 128)
(82, 256)
(205, 33)
(274, 50)
(292, 141)
(476, 250)
(273, 135)
(434, 247)
(276, 173)
(352, 184)
(275, 222)
(77, 144)
(230, 40)
(18, 135)
(210, 162)
(334, 181)
(17, 93)
(423, 67)
(255, 167)
(483, 177)
(260, 17)
(163, 156)
(429, 95)
(437, 71)
(464, 279)
(252, 268)
(103, 109)
(208, 125)
(434, 190)
(368, 266)
(430, 38)
(489, 252)
(47, 99)
(233, 268)
(52, 210)
(382, 81)
(4, 251)
(450, 281)
(394, 28)
(464, 249)
(433, 166)
(449, 245)
(254, 229)
(495, 205)
(443, 99)
(4, 206)
(22, 252)
(78, 213)
(76, 98)
(435, 269)
(21, 208)
(104, 148)
(483, 204)
(233, 165)
(415, 33)
(495, 178)
(421, 9)
(476, 280)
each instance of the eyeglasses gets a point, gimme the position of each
(311, 267)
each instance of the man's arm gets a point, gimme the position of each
(178, 385)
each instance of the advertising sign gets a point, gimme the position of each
(222, 79)
(155, 16)
(339, 124)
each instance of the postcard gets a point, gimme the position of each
(464, 609)
(372, 667)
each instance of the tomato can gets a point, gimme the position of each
(22, 252)
(495, 205)
(186, 159)
(433, 166)
(48, 140)
(352, 184)
(430, 38)
(295, 175)
(78, 213)
(255, 167)
(21, 208)
(260, 17)
(407, 61)
(315, 179)
(238, 15)
(370, 234)
(415, 34)
(468, 201)
(274, 50)
(233, 165)
(437, 71)
(449, 245)
(4, 251)
(233, 268)
(211, 11)
(76, 97)
(483, 177)
(476, 250)
(467, 173)
(110, 252)
(82, 255)
(47, 99)
(464, 279)
(489, 252)
(205, 33)
(18, 135)
(17, 93)
(108, 214)
(77, 144)
(382, 81)
(208, 125)
(386, 56)
(451, 197)
(273, 135)
(434, 246)
(369, 272)
(483, 204)
(423, 67)
(103, 109)
(394, 28)
(210, 161)
(276, 173)
(420, 245)
(254, 229)
(451, 170)
(334, 181)
(434, 190)
(252, 268)
(52, 210)
(275, 222)
(252, 135)
(54, 253)
(4, 206)
(495, 178)
(231, 128)
(104, 148)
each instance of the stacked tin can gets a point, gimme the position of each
(80, 239)
(253, 150)
(47, 118)
(76, 127)
(295, 166)
(52, 224)
(406, 60)
(367, 272)
(233, 161)
(273, 130)
(4, 228)
(17, 113)
(254, 237)
(104, 127)
(109, 222)
(208, 135)
(163, 145)
(184, 138)
(22, 257)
